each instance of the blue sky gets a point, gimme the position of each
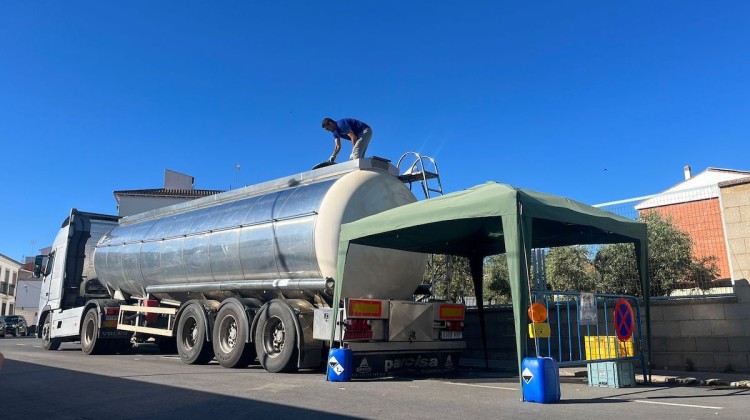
(594, 100)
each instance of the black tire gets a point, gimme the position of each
(192, 332)
(90, 341)
(230, 329)
(276, 338)
(47, 342)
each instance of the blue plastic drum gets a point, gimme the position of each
(540, 380)
(340, 363)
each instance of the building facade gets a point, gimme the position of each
(695, 206)
(178, 188)
(28, 290)
(8, 284)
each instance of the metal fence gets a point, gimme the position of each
(578, 338)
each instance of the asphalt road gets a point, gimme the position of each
(67, 384)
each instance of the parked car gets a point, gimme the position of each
(2, 327)
(16, 325)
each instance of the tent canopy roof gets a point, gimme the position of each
(468, 223)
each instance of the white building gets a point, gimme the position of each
(27, 296)
(8, 281)
(178, 188)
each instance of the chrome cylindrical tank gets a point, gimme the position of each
(282, 235)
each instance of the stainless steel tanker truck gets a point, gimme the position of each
(249, 275)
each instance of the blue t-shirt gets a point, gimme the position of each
(346, 124)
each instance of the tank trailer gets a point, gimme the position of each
(249, 275)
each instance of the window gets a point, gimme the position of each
(50, 264)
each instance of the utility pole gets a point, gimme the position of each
(236, 175)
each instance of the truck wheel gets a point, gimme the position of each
(276, 339)
(90, 341)
(230, 329)
(47, 342)
(192, 345)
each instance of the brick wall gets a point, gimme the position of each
(702, 221)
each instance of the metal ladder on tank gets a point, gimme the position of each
(422, 170)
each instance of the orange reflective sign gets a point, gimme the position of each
(453, 312)
(365, 308)
(537, 312)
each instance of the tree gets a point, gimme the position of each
(617, 269)
(496, 279)
(451, 277)
(570, 268)
(703, 271)
(669, 256)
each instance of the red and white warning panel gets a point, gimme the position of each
(449, 321)
(365, 319)
(395, 321)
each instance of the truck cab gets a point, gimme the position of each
(69, 279)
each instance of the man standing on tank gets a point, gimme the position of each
(348, 128)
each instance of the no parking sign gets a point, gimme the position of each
(624, 320)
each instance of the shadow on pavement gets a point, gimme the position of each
(40, 391)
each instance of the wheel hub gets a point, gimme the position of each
(277, 337)
(232, 336)
(228, 330)
(190, 336)
(193, 335)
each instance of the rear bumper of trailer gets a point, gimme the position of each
(377, 359)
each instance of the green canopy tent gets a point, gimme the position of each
(490, 219)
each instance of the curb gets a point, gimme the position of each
(705, 382)
(668, 379)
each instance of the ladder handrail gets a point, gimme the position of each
(418, 172)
